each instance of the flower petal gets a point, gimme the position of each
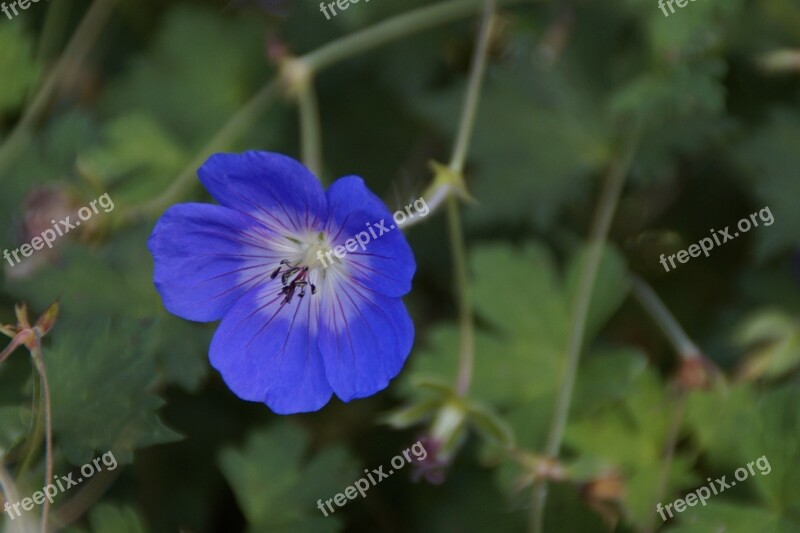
(365, 338)
(267, 352)
(272, 187)
(207, 257)
(385, 262)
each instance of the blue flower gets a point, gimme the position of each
(294, 328)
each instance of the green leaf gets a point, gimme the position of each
(137, 149)
(682, 90)
(731, 518)
(490, 425)
(277, 489)
(716, 417)
(193, 89)
(606, 377)
(773, 431)
(519, 292)
(107, 518)
(531, 422)
(735, 430)
(689, 30)
(118, 267)
(773, 340)
(770, 157)
(610, 289)
(180, 349)
(631, 438)
(504, 373)
(563, 141)
(101, 390)
(410, 415)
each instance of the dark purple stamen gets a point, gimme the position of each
(299, 281)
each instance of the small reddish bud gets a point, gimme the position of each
(697, 373)
(22, 333)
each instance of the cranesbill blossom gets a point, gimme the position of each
(292, 331)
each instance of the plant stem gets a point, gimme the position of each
(79, 46)
(232, 129)
(601, 224)
(435, 196)
(395, 28)
(35, 436)
(669, 456)
(91, 492)
(324, 57)
(466, 319)
(666, 321)
(71, 510)
(466, 344)
(686, 350)
(310, 131)
(55, 24)
(48, 475)
(477, 71)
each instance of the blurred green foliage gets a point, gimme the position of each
(720, 140)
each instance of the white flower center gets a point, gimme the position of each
(309, 261)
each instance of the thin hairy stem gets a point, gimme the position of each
(48, 475)
(55, 25)
(686, 350)
(601, 224)
(310, 129)
(327, 55)
(683, 345)
(31, 449)
(17, 340)
(466, 320)
(474, 87)
(435, 197)
(390, 30)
